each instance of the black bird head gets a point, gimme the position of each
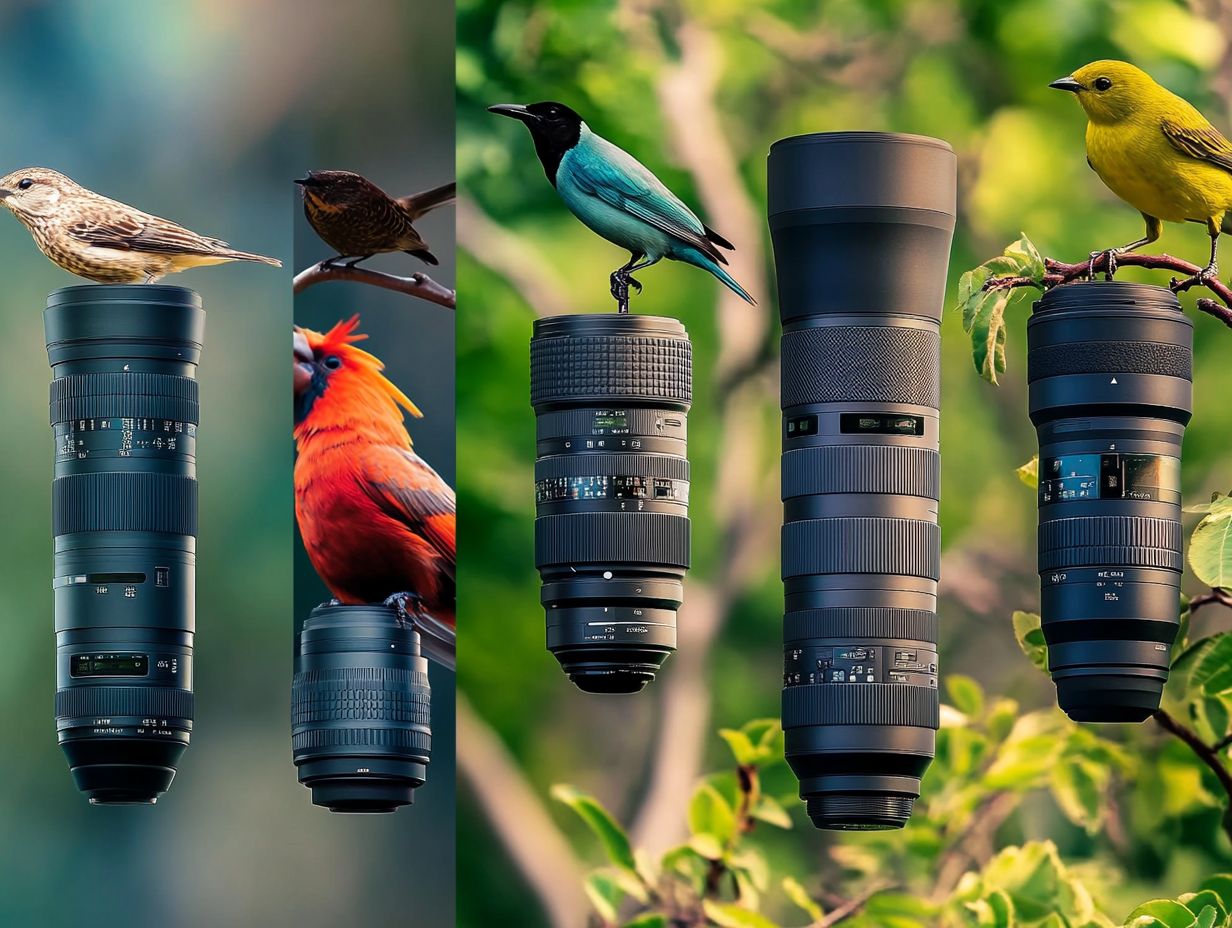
(554, 127)
(337, 186)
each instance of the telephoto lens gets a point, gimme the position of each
(361, 734)
(1109, 368)
(861, 224)
(124, 409)
(610, 394)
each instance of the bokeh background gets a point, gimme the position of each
(203, 112)
(698, 91)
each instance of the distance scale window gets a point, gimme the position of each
(123, 435)
(859, 423)
(1110, 476)
(557, 489)
(857, 665)
(109, 665)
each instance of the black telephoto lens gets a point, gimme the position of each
(124, 410)
(1110, 371)
(861, 223)
(361, 732)
(610, 394)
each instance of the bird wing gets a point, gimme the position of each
(402, 484)
(134, 231)
(620, 180)
(1205, 142)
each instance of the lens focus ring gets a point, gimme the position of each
(616, 537)
(893, 469)
(99, 701)
(360, 693)
(859, 622)
(569, 370)
(1116, 357)
(862, 546)
(124, 501)
(862, 704)
(1100, 541)
(116, 394)
(861, 364)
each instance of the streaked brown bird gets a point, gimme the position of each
(358, 219)
(105, 240)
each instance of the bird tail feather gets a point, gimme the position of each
(706, 262)
(234, 255)
(427, 200)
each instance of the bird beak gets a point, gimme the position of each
(5, 193)
(308, 180)
(304, 362)
(513, 111)
(1066, 83)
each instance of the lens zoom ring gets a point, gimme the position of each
(862, 469)
(612, 537)
(1111, 556)
(318, 738)
(312, 703)
(116, 394)
(1119, 357)
(124, 502)
(569, 370)
(104, 701)
(860, 622)
(561, 466)
(1110, 531)
(861, 704)
(904, 547)
(882, 364)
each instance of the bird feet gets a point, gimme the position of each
(620, 290)
(1201, 278)
(407, 607)
(1111, 269)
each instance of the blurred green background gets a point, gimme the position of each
(698, 91)
(203, 112)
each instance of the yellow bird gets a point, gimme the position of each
(1154, 151)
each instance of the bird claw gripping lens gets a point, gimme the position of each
(361, 734)
(124, 409)
(1110, 371)
(611, 393)
(861, 224)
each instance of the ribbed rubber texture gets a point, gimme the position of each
(124, 502)
(116, 394)
(607, 465)
(905, 547)
(860, 622)
(883, 364)
(386, 694)
(861, 704)
(566, 370)
(1111, 556)
(889, 469)
(90, 701)
(1113, 357)
(612, 538)
(1094, 541)
(410, 739)
(857, 809)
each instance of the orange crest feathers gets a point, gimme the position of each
(340, 341)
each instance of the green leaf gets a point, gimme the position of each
(742, 747)
(1030, 637)
(1203, 900)
(988, 334)
(711, 814)
(604, 894)
(801, 899)
(706, 846)
(728, 915)
(1221, 885)
(1078, 787)
(1029, 473)
(613, 838)
(649, 920)
(1206, 918)
(769, 810)
(1032, 263)
(1165, 912)
(1210, 546)
(966, 695)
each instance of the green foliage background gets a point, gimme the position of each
(1131, 813)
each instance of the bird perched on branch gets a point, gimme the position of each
(616, 196)
(377, 522)
(104, 240)
(1154, 151)
(358, 219)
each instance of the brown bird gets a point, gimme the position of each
(105, 240)
(358, 219)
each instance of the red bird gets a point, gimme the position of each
(377, 522)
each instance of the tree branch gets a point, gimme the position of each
(851, 906)
(973, 843)
(1059, 272)
(1205, 753)
(417, 285)
(1217, 595)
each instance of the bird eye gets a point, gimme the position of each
(25, 184)
(1102, 83)
(333, 362)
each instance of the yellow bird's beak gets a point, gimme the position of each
(1066, 83)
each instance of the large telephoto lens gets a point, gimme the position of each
(124, 409)
(1110, 371)
(861, 223)
(361, 734)
(610, 394)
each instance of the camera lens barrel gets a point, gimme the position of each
(124, 411)
(1110, 373)
(361, 734)
(611, 393)
(861, 224)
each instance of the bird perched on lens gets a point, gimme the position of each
(377, 522)
(358, 219)
(105, 240)
(1155, 151)
(618, 197)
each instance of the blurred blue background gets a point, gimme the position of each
(203, 112)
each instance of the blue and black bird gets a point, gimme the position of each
(618, 197)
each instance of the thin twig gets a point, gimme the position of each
(851, 906)
(418, 284)
(971, 845)
(1059, 272)
(1217, 595)
(1204, 752)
